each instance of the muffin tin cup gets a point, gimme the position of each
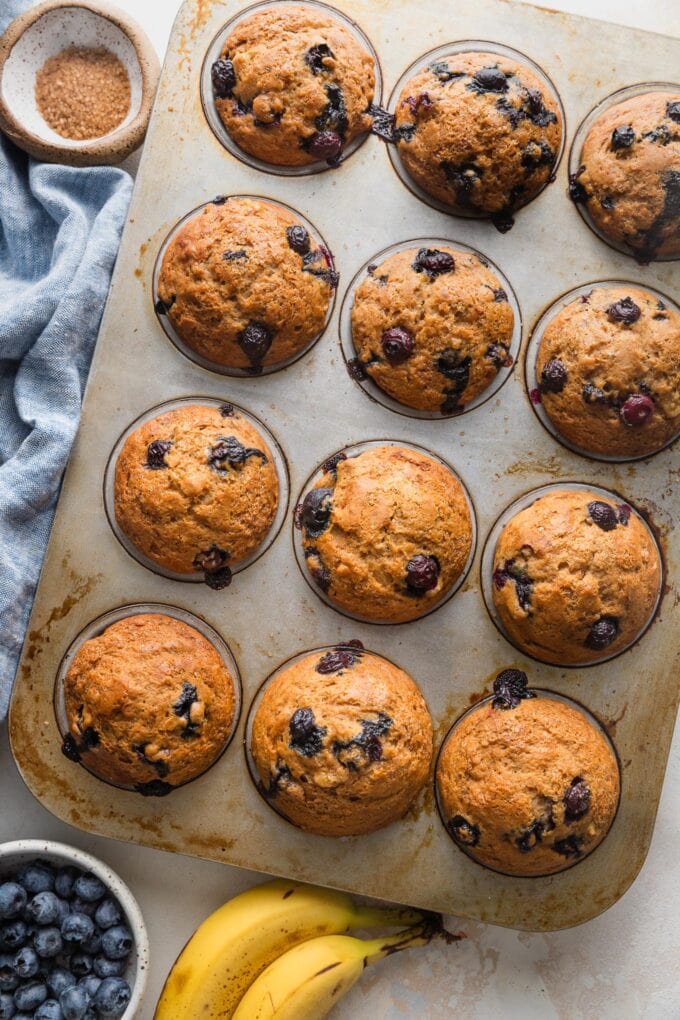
(577, 148)
(215, 121)
(489, 550)
(183, 347)
(449, 49)
(369, 386)
(280, 465)
(100, 624)
(250, 719)
(541, 693)
(532, 381)
(353, 451)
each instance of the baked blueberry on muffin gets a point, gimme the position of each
(479, 132)
(386, 533)
(196, 490)
(245, 285)
(629, 177)
(527, 784)
(150, 704)
(342, 742)
(293, 85)
(576, 577)
(608, 369)
(432, 327)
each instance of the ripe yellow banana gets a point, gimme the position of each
(307, 981)
(236, 943)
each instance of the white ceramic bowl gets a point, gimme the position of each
(20, 851)
(47, 29)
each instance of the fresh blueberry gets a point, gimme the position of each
(50, 1010)
(36, 877)
(105, 968)
(553, 376)
(397, 345)
(509, 688)
(48, 942)
(622, 137)
(637, 409)
(90, 983)
(108, 912)
(112, 998)
(93, 945)
(117, 942)
(463, 832)
(602, 514)
(89, 888)
(43, 908)
(12, 899)
(602, 633)
(30, 996)
(27, 962)
(58, 980)
(77, 928)
(422, 574)
(13, 934)
(7, 1008)
(8, 975)
(81, 964)
(223, 78)
(80, 906)
(74, 1003)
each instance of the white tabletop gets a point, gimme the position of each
(624, 965)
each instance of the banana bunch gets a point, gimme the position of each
(277, 951)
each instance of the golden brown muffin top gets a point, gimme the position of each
(629, 177)
(245, 285)
(342, 741)
(576, 577)
(196, 489)
(609, 371)
(432, 327)
(527, 785)
(386, 533)
(150, 703)
(480, 132)
(293, 86)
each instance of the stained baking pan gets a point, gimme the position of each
(314, 408)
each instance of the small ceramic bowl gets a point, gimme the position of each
(47, 29)
(20, 851)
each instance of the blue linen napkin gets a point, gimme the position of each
(60, 229)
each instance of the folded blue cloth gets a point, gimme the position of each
(59, 234)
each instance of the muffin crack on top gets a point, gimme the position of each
(480, 132)
(293, 86)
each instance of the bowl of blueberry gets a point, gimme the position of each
(73, 944)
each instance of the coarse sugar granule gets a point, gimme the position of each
(83, 92)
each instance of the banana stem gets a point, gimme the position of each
(378, 949)
(376, 917)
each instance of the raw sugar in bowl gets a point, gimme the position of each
(77, 82)
(89, 931)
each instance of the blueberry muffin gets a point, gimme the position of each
(342, 742)
(245, 285)
(293, 86)
(629, 177)
(479, 132)
(527, 785)
(575, 577)
(196, 490)
(386, 533)
(608, 369)
(150, 704)
(432, 327)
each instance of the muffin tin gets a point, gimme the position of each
(314, 408)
